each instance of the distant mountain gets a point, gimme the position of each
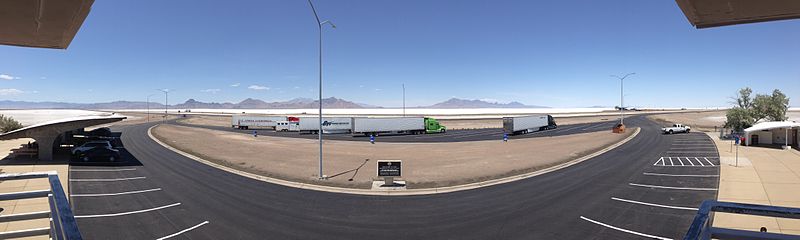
(249, 103)
(466, 103)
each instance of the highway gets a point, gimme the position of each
(633, 187)
(460, 135)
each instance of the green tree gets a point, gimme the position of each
(748, 110)
(8, 124)
(738, 118)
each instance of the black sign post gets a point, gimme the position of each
(389, 169)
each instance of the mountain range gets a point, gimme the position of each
(250, 103)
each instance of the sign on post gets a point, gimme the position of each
(388, 169)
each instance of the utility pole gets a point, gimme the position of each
(320, 24)
(621, 97)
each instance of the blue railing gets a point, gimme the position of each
(62, 221)
(702, 228)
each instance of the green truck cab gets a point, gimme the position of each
(433, 126)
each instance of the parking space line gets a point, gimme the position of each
(105, 180)
(625, 230)
(670, 161)
(653, 204)
(679, 175)
(701, 163)
(183, 231)
(128, 213)
(679, 160)
(709, 162)
(695, 152)
(675, 188)
(660, 160)
(690, 161)
(102, 170)
(115, 194)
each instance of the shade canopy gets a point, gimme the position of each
(41, 23)
(715, 13)
(771, 125)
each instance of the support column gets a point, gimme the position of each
(45, 143)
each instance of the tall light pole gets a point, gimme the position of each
(404, 99)
(148, 106)
(319, 132)
(621, 97)
(166, 103)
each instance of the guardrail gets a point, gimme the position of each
(62, 221)
(701, 227)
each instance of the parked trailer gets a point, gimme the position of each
(407, 125)
(329, 125)
(526, 124)
(244, 121)
(286, 126)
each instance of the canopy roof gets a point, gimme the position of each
(59, 125)
(715, 13)
(41, 23)
(772, 125)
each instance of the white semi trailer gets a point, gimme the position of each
(408, 125)
(526, 124)
(329, 125)
(244, 121)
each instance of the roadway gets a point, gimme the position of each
(460, 135)
(627, 188)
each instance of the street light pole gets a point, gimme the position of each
(621, 97)
(319, 131)
(404, 99)
(148, 106)
(166, 103)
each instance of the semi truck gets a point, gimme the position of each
(286, 126)
(329, 125)
(401, 125)
(526, 124)
(244, 121)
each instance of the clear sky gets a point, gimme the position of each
(551, 53)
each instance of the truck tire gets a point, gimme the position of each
(688, 130)
(670, 131)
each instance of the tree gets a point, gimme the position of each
(738, 118)
(743, 99)
(8, 124)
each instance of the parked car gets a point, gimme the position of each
(676, 128)
(96, 150)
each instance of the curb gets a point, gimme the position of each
(425, 191)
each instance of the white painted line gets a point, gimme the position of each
(709, 162)
(184, 230)
(676, 188)
(102, 170)
(701, 163)
(115, 194)
(660, 160)
(709, 152)
(105, 180)
(670, 162)
(690, 148)
(679, 160)
(127, 213)
(625, 230)
(690, 161)
(654, 205)
(679, 175)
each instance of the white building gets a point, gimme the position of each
(773, 133)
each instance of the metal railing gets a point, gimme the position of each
(702, 228)
(62, 221)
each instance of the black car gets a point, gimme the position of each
(98, 153)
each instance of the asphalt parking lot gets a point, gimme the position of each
(660, 202)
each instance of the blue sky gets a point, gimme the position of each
(553, 53)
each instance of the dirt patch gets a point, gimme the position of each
(425, 164)
(699, 121)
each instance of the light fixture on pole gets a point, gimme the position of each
(621, 98)
(319, 131)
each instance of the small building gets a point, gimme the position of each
(773, 133)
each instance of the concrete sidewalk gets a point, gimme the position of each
(26, 205)
(763, 176)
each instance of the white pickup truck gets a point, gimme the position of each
(676, 128)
